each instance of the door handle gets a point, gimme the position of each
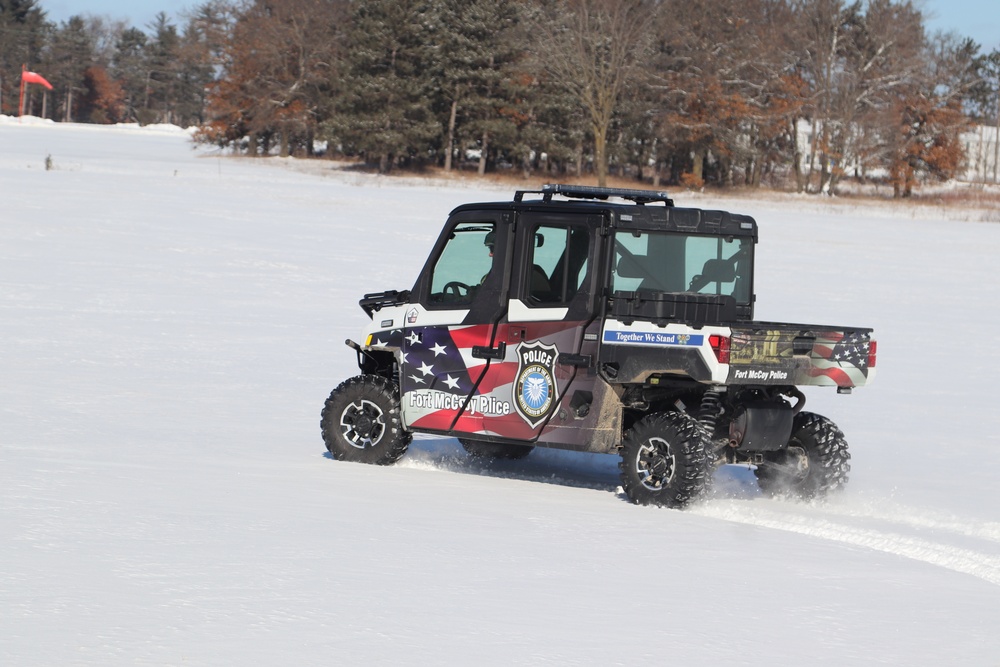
(578, 360)
(486, 352)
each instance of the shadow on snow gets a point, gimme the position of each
(582, 470)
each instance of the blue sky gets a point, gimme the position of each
(979, 19)
(138, 12)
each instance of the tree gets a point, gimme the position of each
(991, 76)
(385, 108)
(131, 69)
(984, 109)
(22, 39)
(70, 51)
(201, 54)
(280, 61)
(103, 97)
(595, 50)
(730, 87)
(558, 128)
(477, 48)
(929, 115)
(859, 61)
(162, 68)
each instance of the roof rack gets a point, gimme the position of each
(640, 197)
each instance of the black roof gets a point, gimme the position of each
(632, 212)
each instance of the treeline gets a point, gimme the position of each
(791, 93)
(106, 71)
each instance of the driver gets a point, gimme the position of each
(490, 241)
(540, 287)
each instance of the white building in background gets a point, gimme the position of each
(982, 152)
(981, 147)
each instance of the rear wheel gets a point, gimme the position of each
(663, 460)
(815, 462)
(361, 422)
(495, 450)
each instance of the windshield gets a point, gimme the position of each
(464, 263)
(673, 262)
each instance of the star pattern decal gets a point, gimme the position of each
(432, 360)
(391, 338)
(842, 357)
(852, 349)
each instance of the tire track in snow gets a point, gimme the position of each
(833, 522)
(922, 519)
(958, 559)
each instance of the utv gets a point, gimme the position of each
(599, 320)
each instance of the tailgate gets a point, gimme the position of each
(771, 353)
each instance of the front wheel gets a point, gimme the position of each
(361, 422)
(663, 460)
(815, 462)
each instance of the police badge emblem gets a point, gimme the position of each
(535, 388)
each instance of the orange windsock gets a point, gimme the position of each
(31, 77)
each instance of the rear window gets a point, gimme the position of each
(692, 263)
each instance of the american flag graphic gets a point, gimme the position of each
(842, 358)
(433, 358)
(439, 372)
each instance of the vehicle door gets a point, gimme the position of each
(549, 330)
(449, 335)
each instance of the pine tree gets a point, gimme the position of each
(163, 63)
(202, 53)
(130, 68)
(385, 111)
(473, 65)
(22, 39)
(69, 54)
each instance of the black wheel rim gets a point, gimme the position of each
(655, 464)
(362, 424)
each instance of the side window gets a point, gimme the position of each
(630, 270)
(464, 263)
(558, 264)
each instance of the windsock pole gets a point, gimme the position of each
(20, 99)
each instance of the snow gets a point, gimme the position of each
(171, 321)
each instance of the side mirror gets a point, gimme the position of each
(539, 240)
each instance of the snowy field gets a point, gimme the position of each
(171, 322)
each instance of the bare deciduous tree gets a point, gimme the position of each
(279, 62)
(596, 49)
